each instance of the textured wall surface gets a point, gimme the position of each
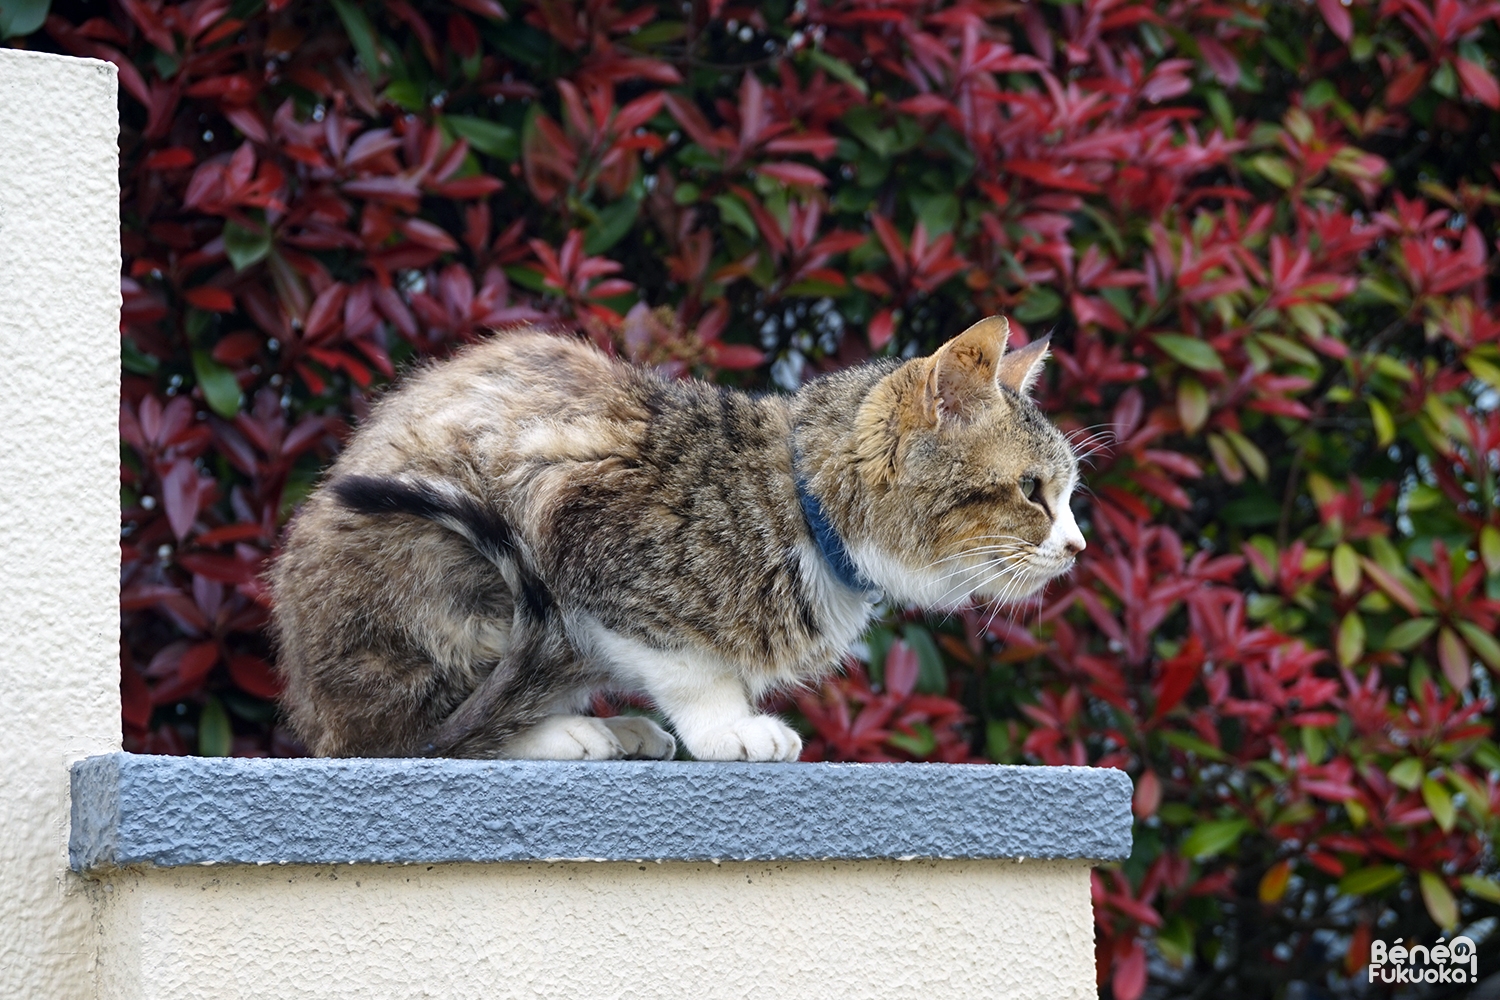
(846, 930)
(164, 811)
(59, 490)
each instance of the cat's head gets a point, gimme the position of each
(967, 483)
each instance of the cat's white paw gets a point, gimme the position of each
(642, 738)
(566, 737)
(757, 738)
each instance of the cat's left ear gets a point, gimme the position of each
(1020, 369)
(962, 375)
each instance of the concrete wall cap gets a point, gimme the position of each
(168, 811)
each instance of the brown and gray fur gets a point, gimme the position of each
(531, 521)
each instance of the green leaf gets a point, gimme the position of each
(245, 246)
(1489, 548)
(1289, 349)
(938, 211)
(1175, 941)
(1345, 568)
(1439, 803)
(1038, 304)
(490, 138)
(1273, 169)
(220, 390)
(695, 157)
(1193, 744)
(408, 94)
(1252, 456)
(362, 34)
(1408, 773)
(1441, 905)
(1194, 353)
(1409, 633)
(22, 17)
(528, 277)
(1480, 887)
(136, 361)
(1192, 404)
(1215, 837)
(1367, 881)
(1385, 427)
(838, 69)
(1350, 643)
(614, 222)
(1445, 80)
(922, 743)
(1394, 368)
(1314, 743)
(997, 744)
(734, 212)
(1482, 643)
(215, 737)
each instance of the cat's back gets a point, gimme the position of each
(516, 397)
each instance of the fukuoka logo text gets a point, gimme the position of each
(1455, 961)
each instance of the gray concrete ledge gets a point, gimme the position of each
(168, 811)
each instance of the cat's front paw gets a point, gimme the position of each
(566, 737)
(641, 738)
(758, 738)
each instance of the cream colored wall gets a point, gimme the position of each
(59, 496)
(846, 930)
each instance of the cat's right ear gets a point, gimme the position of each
(961, 376)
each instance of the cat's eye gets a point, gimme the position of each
(1028, 487)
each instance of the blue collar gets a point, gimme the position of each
(834, 551)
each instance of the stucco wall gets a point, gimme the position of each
(850, 930)
(59, 493)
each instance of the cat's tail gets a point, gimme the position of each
(459, 511)
(518, 691)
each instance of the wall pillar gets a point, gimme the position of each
(59, 497)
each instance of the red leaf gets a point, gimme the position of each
(1177, 675)
(484, 8)
(1220, 60)
(881, 328)
(1337, 16)
(733, 357)
(180, 496)
(428, 235)
(1129, 980)
(171, 158)
(1147, 795)
(135, 698)
(793, 173)
(1478, 82)
(254, 676)
(901, 669)
(197, 661)
(467, 187)
(224, 569)
(210, 299)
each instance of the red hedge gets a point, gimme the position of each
(1262, 236)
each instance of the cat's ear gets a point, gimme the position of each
(1020, 369)
(962, 375)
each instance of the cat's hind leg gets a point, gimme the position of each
(583, 737)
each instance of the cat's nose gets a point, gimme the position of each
(1074, 544)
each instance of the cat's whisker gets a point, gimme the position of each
(965, 583)
(981, 553)
(1008, 565)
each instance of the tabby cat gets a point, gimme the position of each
(531, 521)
